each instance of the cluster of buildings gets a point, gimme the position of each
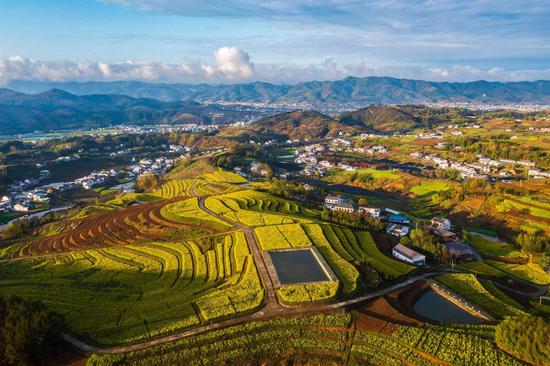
(157, 166)
(484, 168)
(397, 224)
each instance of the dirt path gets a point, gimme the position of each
(272, 300)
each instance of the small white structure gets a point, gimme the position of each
(336, 199)
(441, 224)
(397, 230)
(21, 207)
(408, 255)
(373, 212)
(346, 207)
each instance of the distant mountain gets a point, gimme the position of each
(57, 109)
(351, 90)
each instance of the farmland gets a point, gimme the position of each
(331, 338)
(472, 289)
(140, 291)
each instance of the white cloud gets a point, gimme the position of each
(234, 62)
(233, 65)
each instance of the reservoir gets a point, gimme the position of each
(433, 306)
(297, 266)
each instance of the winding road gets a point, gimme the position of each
(273, 308)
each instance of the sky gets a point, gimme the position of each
(275, 40)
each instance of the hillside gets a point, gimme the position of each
(398, 118)
(351, 90)
(57, 109)
(295, 125)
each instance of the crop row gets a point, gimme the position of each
(118, 295)
(468, 286)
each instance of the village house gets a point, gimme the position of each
(397, 230)
(336, 199)
(441, 223)
(408, 255)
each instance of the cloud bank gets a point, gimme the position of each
(233, 65)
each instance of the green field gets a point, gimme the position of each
(330, 339)
(429, 187)
(494, 248)
(529, 272)
(473, 290)
(120, 295)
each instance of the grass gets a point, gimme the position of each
(429, 187)
(126, 294)
(529, 272)
(491, 248)
(468, 286)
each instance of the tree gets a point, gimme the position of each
(532, 243)
(147, 183)
(25, 329)
(526, 337)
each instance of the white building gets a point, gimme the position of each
(441, 224)
(408, 255)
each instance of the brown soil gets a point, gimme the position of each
(119, 227)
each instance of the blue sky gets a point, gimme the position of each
(274, 40)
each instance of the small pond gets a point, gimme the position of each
(297, 266)
(433, 306)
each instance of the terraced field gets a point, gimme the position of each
(327, 339)
(125, 226)
(119, 295)
(258, 209)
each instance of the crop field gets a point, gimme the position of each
(324, 339)
(120, 295)
(492, 248)
(341, 247)
(118, 227)
(188, 211)
(468, 286)
(429, 187)
(258, 209)
(307, 293)
(529, 272)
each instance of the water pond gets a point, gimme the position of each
(297, 266)
(433, 306)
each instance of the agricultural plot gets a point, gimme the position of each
(429, 187)
(310, 336)
(119, 295)
(282, 236)
(458, 345)
(130, 225)
(468, 286)
(324, 339)
(258, 209)
(493, 248)
(307, 293)
(529, 272)
(188, 211)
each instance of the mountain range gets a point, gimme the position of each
(56, 109)
(351, 91)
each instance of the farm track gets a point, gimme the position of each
(263, 314)
(271, 309)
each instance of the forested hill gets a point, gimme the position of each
(57, 109)
(351, 90)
